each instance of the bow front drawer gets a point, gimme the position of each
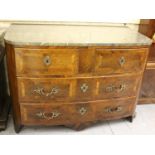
(46, 62)
(116, 61)
(68, 113)
(51, 90)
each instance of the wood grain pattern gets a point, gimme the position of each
(41, 114)
(114, 61)
(51, 90)
(33, 62)
(73, 62)
(45, 89)
(13, 86)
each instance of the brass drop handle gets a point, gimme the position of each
(41, 91)
(47, 60)
(48, 116)
(111, 110)
(121, 61)
(113, 88)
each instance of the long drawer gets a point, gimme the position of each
(68, 113)
(72, 62)
(51, 90)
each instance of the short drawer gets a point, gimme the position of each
(72, 113)
(116, 61)
(46, 62)
(51, 90)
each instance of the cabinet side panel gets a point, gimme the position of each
(13, 85)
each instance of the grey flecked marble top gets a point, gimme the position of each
(72, 35)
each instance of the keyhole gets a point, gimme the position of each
(47, 60)
(122, 61)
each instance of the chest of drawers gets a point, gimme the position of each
(74, 75)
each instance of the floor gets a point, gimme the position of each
(144, 123)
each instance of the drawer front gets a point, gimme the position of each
(47, 114)
(45, 89)
(46, 62)
(115, 109)
(56, 89)
(76, 89)
(115, 61)
(109, 87)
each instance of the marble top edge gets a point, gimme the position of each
(70, 24)
(74, 35)
(2, 32)
(75, 44)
